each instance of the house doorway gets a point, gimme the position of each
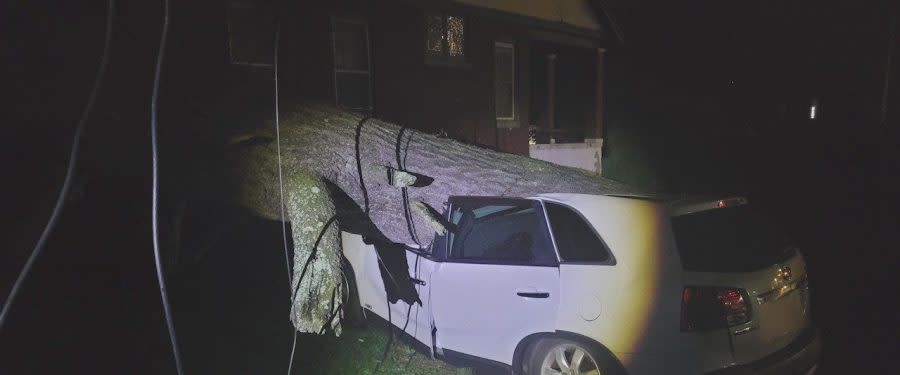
(563, 100)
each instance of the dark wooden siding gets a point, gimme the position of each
(457, 100)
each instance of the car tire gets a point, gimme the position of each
(552, 355)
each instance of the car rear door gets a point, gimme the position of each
(498, 279)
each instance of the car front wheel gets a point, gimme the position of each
(562, 357)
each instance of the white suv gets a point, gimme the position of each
(592, 284)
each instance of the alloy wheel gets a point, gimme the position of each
(569, 359)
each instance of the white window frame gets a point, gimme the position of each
(512, 48)
(232, 59)
(336, 70)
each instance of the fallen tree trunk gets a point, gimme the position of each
(325, 148)
(324, 140)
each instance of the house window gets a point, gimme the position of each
(251, 32)
(445, 38)
(352, 66)
(504, 81)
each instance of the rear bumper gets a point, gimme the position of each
(798, 358)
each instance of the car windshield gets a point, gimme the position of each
(736, 239)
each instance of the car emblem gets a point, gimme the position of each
(781, 285)
(784, 274)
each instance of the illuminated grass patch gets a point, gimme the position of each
(360, 351)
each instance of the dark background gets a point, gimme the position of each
(91, 305)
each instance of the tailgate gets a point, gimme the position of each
(779, 296)
(779, 305)
(732, 244)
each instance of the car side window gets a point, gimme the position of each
(505, 231)
(575, 238)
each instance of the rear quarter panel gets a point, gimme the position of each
(638, 298)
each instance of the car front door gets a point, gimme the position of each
(373, 279)
(498, 278)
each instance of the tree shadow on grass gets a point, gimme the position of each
(232, 306)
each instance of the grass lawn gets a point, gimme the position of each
(361, 350)
(231, 309)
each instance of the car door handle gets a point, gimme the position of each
(533, 294)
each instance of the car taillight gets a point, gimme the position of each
(705, 308)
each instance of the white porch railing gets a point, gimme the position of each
(586, 155)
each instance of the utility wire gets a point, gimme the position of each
(401, 165)
(287, 260)
(334, 217)
(70, 170)
(155, 205)
(362, 186)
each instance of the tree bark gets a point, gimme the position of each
(334, 163)
(317, 281)
(323, 140)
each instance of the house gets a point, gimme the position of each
(502, 74)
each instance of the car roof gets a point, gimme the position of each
(639, 196)
(576, 197)
(676, 201)
(680, 204)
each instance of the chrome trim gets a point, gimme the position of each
(550, 230)
(780, 292)
(744, 330)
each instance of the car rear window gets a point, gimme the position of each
(575, 238)
(734, 239)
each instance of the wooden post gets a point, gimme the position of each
(597, 132)
(551, 93)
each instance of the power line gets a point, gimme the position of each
(70, 171)
(155, 205)
(287, 261)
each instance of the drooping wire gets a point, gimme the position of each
(365, 192)
(312, 254)
(164, 295)
(410, 225)
(70, 171)
(287, 260)
(362, 182)
(293, 350)
(362, 186)
(309, 259)
(401, 165)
